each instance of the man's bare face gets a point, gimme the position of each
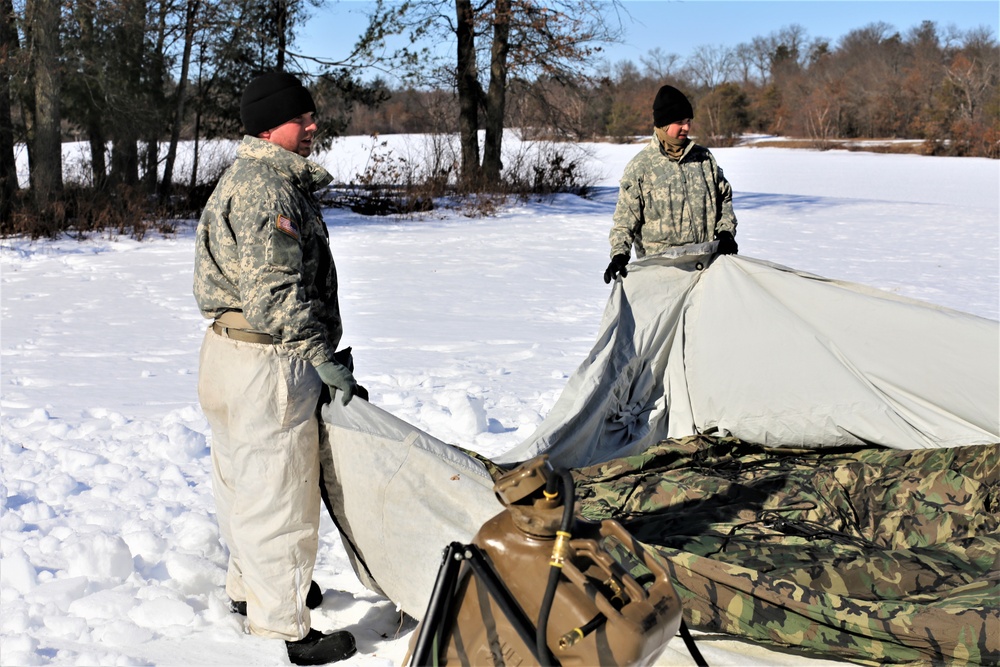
(680, 129)
(295, 135)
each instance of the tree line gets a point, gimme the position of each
(133, 78)
(938, 86)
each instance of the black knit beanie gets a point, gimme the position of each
(272, 99)
(670, 106)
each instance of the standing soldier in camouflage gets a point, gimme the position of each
(673, 192)
(265, 275)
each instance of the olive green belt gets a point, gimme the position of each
(232, 324)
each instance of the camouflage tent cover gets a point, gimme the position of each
(864, 554)
(872, 555)
(865, 531)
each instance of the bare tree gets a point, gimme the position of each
(84, 92)
(724, 114)
(973, 79)
(744, 63)
(760, 53)
(469, 91)
(191, 11)
(9, 53)
(711, 66)
(124, 96)
(496, 94)
(46, 147)
(659, 65)
(522, 38)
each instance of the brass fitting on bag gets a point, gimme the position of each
(561, 549)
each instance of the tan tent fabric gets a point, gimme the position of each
(399, 497)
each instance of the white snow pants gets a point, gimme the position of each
(261, 404)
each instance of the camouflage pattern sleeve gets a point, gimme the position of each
(726, 217)
(626, 224)
(214, 287)
(272, 285)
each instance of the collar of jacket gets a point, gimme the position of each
(655, 143)
(303, 173)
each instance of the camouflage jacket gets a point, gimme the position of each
(662, 203)
(262, 248)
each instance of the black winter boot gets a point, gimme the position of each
(317, 648)
(313, 599)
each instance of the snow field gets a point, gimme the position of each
(466, 328)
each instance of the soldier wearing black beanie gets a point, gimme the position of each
(672, 194)
(264, 274)
(670, 106)
(272, 99)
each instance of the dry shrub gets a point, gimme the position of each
(82, 210)
(391, 184)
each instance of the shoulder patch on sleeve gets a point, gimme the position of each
(285, 224)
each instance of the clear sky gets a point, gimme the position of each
(681, 26)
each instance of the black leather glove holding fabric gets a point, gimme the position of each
(727, 244)
(617, 266)
(336, 376)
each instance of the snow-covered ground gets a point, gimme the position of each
(467, 328)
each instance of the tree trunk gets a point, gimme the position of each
(46, 162)
(8, 163)
(125, 158)
(195, 148)
(200, 94)
(175, 132)
(98, 154)
(152, 163)
(281, 26)
(156, 100)
(125, 151)
(94, 123)
(496, 97)
(468, 92)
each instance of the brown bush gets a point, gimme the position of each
(81, 211)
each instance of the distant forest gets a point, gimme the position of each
(133, 78)
(875, 83)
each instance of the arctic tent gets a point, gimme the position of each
(831, 449)
(729, 345)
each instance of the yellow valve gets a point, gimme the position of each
(616, 589)
(570, 638)
(560, 550)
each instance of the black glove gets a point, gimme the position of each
(727, 244)
(617, 265)
(336, 376)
